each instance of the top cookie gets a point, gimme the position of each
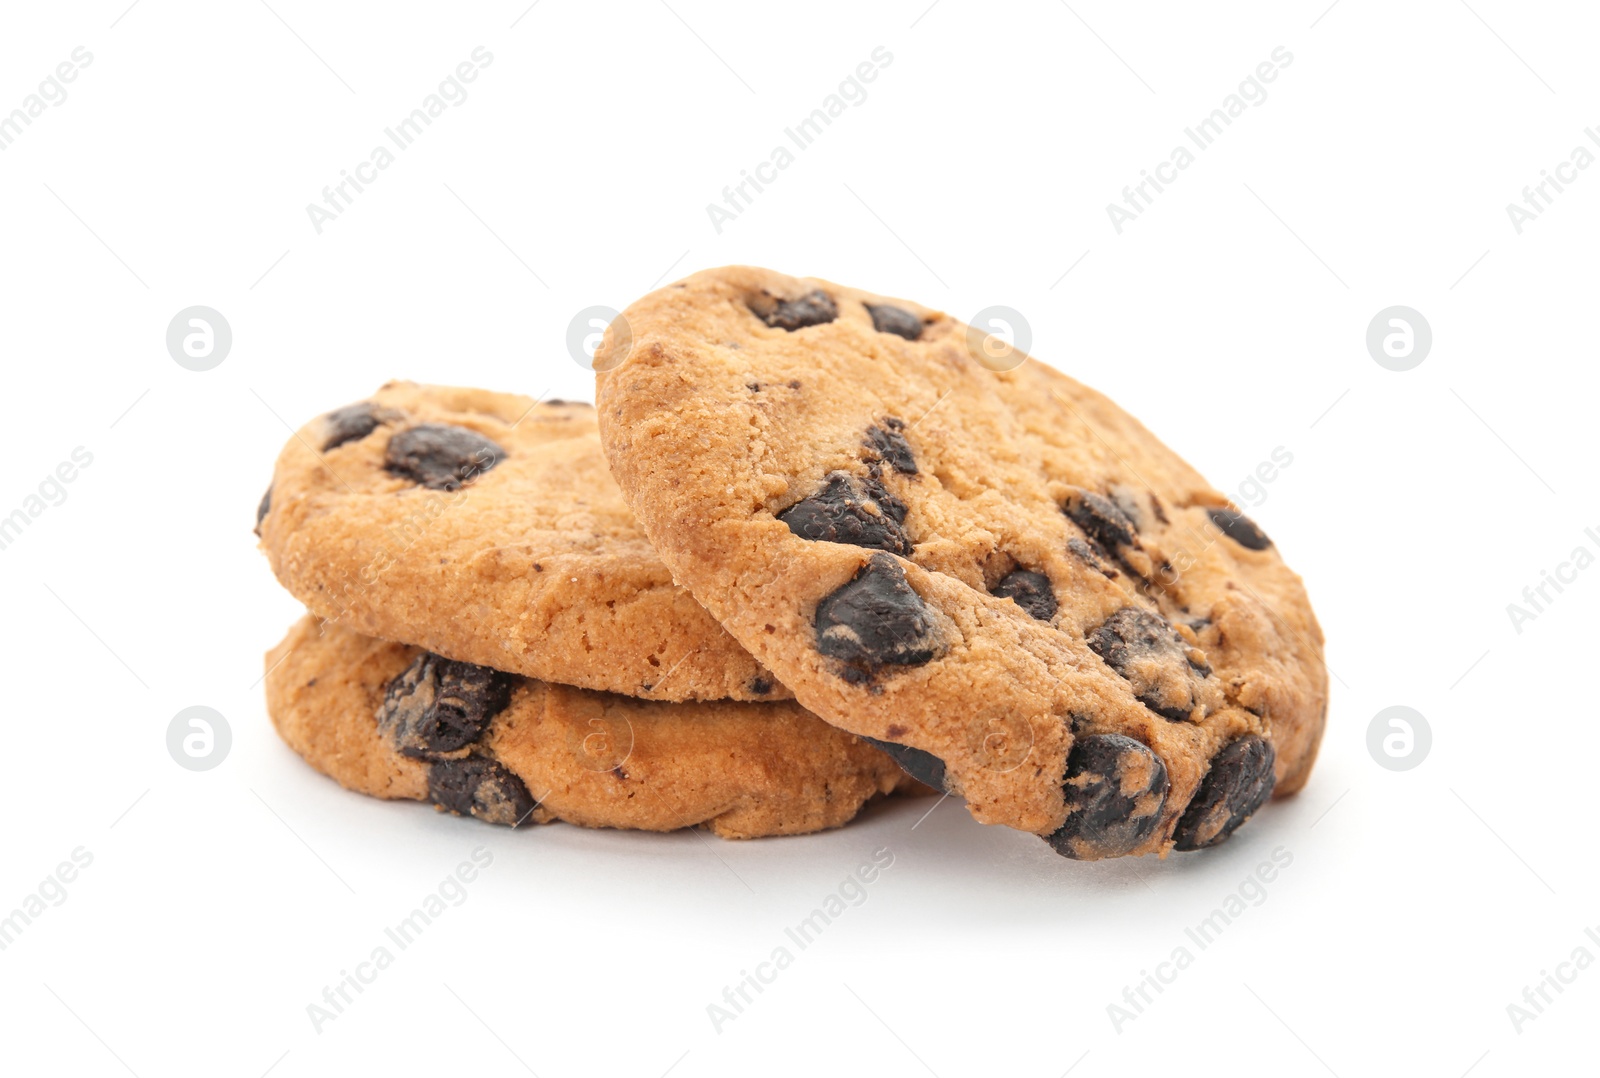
(485, 527)
(999, 574)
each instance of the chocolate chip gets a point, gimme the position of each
(1239, 782)
(438, 706)
(891, 447)
(263, 509)
(1126, 499)
(1161, 510)
(896, 320)
(1101, 519)
(349, 424)
(760, 686)
(854, 510)
(921, 765)
(1158, 663)
(441, 457)
(1115, 791)
(812, 309)
(875, 620)
(1029, 590)
(1089, 556)
(478, 786)
(1240, 528)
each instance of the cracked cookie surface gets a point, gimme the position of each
(984, 568)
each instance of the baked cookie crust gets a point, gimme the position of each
(987, 567)
(394, 721)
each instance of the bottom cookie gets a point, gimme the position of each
(394, 721)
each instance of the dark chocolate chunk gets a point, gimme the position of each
(1146, 650)
(760, 686)
(1101, 519)
(349, 424)
(478, 786)
(876, 620)
(1115, 790)
(1090, 556)
(1240, 528)
(438, 706)
(921, 765)
(891, 447)
(853, 510)
(1239, 782)
(812, 309)
(263, 509)
(1029, 590)
(896, 320)
(441, 457)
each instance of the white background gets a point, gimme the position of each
(1230, 316)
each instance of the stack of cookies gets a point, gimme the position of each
(814, 546)
(489, 630)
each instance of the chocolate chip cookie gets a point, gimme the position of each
(996, 574)
(486, 527)
(395, 721)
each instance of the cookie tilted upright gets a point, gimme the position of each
(1000, 576)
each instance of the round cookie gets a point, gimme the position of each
(998, 574)
(486, 527)
(395, 721)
